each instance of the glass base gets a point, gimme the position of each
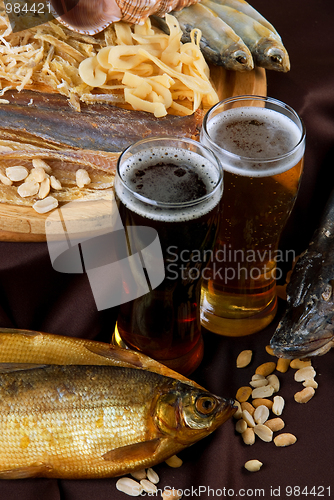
(237, 327)
(185, 364)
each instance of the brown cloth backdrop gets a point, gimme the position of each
(34, 296)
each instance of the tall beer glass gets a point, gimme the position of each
(260, 142)
(173, 186)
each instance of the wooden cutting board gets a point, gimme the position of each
(23, 224)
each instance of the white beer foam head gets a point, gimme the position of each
(173, 212)
(254, 151)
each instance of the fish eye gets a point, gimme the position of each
(205, 404)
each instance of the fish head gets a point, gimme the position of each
(307, 326)
(189, 414)
(271, 54)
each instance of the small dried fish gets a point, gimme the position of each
(219, 43)
(266, 48)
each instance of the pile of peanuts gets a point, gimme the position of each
(38, 182)
(253, 417)
(146, 480)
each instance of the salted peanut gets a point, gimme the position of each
(263, 392)
(55, 183)
(148, 486)
(247, 406)
(248, 418)
(263, 432)
(243, 394)
(300, 363)
(285, 439)
(5, 180)
(28, 189)
(261, 414)
(248, 436)
(238, 413)
(278, 405)
(305, 395)
(273, 380)
(305, 373)
(152, 476)
(244, 358)
(310, 382)
(270, 350)
(38, 174)
(241, 426)
(266, 368)
(44, 206)
(171, 494)
(262, 401)
(174, 461)
(39, 163)
(253, 465)
(275, 424)
(82, 178)
(283, 365)
(44, 188)
(258, 381)
(139, 474)
(17, 173)
(129, 486)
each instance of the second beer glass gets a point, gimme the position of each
(260, 142)
(173, 186)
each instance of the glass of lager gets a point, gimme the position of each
(174, 187)
(260, 142)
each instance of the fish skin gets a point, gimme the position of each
(266, 48)
(219, 44)
(82, 422)
(307, 326)
(28, 346)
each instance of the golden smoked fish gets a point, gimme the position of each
(79, 421)
(27, 346)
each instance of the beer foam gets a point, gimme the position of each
(256, 133)
(192, 209)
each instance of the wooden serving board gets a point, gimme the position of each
(23, 224)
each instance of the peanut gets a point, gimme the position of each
(262, 401)
(273, 380)
(310, 382)
(248, 418)
(5, 180)
(305, 373)
(248, 436)
(243, 394)
(270, 350)
(247, 406)
(253, 465)
(261, 414)
(300, 363)
(38, 173)
(44, 206)
(275, 424)
(283, 365)
(139, 474)
(244, 358)
(28, 189)
(82, 178)
(278, 405)
(148, 486)
(55, 183)
(259, 382)
(171, 494)
(174, 461)
(241, 426)
(39, 163)
(266, 368)
(152, 476)
(263, 392)
(305, 395)
(44, 188)
(17, 173)
(129, 486)
(263, 432)
(238, 413)
(285, 439)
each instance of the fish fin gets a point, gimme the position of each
(117, 354)
(131, 452)
(16, 367)
(40, 470)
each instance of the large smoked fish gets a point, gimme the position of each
(93, 421)
(47, 121)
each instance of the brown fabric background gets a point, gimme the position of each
(33, 296)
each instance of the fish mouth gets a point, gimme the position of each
(294, 350)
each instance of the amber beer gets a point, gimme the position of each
(175, 187)
(260, 142)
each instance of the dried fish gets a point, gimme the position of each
(219, 43)
(266, 48)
